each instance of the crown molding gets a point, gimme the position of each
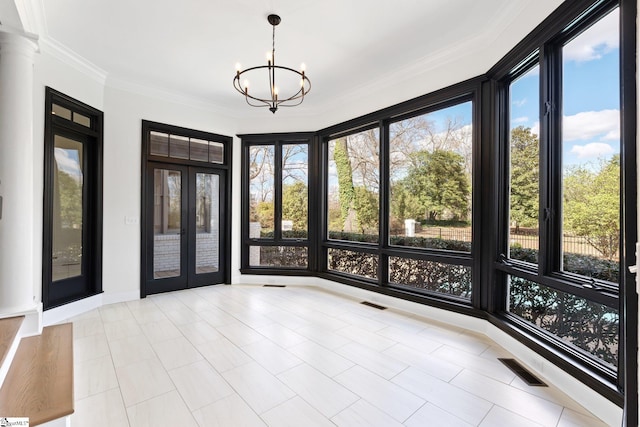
(174, 97)
(71, 58)
(32, 16)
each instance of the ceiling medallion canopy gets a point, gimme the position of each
(297, 82)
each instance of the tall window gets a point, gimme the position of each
(591, 150)
(276, 208)
(430, 200)
(72, 256)
(564, 228)
(430, 171)
(524, 166)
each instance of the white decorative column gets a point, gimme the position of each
(20, 267)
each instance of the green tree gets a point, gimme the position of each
(439, 182)
(366, 207)
(265, 215)
(405, 203)
(592, 205)
(295, 202)
(525, 174)
(345, 178)
(70, 200)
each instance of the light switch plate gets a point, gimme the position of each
(131, 220)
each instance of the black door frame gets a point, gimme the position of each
(223, 169)
(188, 277)
(92, 138)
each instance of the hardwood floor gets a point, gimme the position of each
(39, 384)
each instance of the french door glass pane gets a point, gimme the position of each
(68, 181)
(167, 223)
(591, 151)
(207, 223)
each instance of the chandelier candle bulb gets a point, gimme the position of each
(292, 96)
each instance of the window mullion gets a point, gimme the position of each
(277, 188)
(550, 218)
(383, 266)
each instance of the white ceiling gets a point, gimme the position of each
(360, 55)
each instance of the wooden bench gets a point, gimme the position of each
(39, 384)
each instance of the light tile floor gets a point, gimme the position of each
(261, 356)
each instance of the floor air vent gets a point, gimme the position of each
(523, 373)
(370, 304)
(274, 286)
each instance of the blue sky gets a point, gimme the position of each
(461, 112)
(591, 99)
(67, 160)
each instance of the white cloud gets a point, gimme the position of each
(591, 124)
(535, 129)
(517, 120)
(592, 150)
(601, 38)
(519, 102)
(67, 164)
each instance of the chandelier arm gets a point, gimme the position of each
(275, 100)
(271, 72)
(300, 93)
(248, 97)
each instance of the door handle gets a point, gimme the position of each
(183, 232)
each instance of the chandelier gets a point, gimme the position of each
(272, 97)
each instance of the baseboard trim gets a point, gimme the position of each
(67, 311)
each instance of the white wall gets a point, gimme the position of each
(124, 112)
(124, 109)
(75, 82)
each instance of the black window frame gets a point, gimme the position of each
(278, 140)
(94, 159)
(543, 47)
(468, 91)
(490, 197)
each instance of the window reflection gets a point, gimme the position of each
(68, 181)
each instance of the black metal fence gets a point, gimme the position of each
(571, 243)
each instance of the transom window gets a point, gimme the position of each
(185, 148)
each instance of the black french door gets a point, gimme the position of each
(185, 227)
(72, 226)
